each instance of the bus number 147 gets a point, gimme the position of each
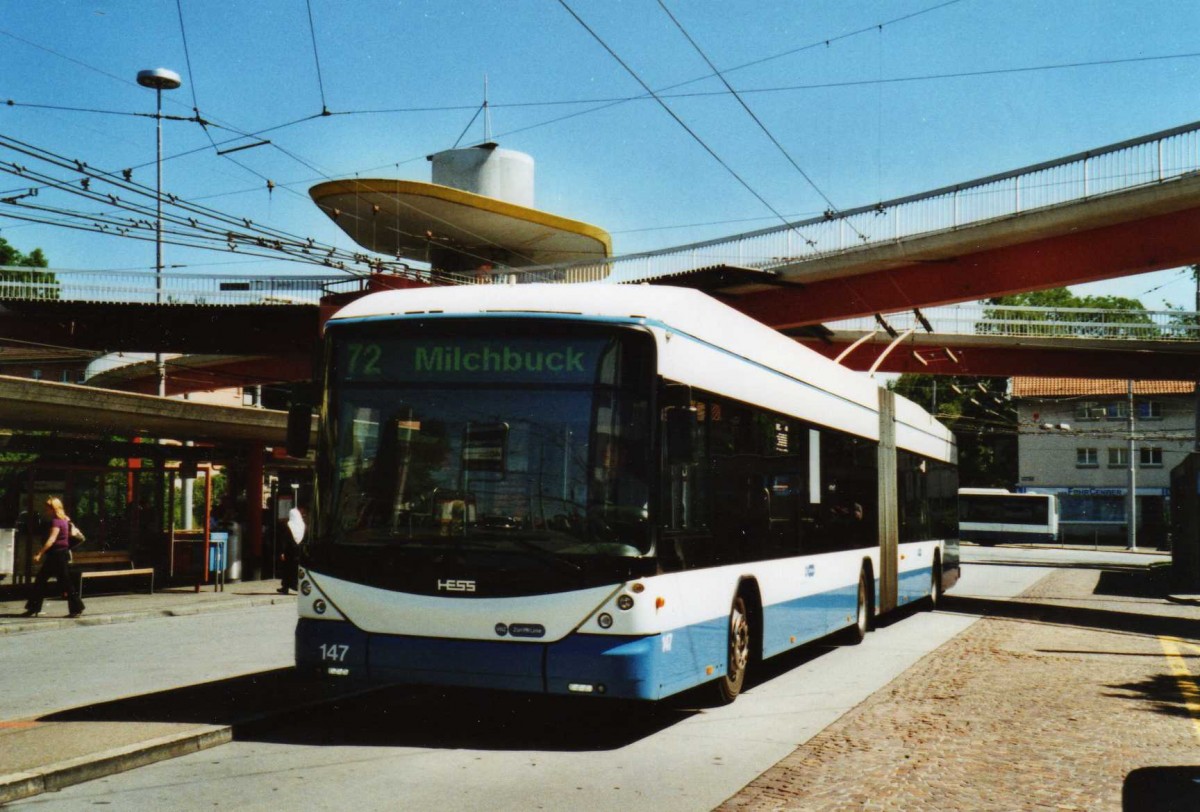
(334, 652)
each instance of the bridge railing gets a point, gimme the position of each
(1150, 159)
(124, 287)
(1039, 322)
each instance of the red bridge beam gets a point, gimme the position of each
(1149, 244)
(1138, 364)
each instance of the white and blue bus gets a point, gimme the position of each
(989, 516)
(604, 490)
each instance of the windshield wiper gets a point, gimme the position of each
(548, 555)
(542, 554)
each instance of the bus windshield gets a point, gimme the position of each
(500, 441)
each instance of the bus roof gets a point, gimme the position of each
(672, 309)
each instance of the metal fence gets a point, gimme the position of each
(51, 284)
(1040, 322)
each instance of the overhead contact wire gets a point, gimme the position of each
(672, 113)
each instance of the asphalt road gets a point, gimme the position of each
(428, 749)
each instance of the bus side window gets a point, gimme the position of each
(685, 509)
(684, 491)
(787, 489)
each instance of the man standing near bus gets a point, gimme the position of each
(296, 528)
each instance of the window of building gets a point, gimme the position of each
(1150, 457)
(1118, 458)
(36, 375)
(1117, 410)
(1149, 410)
(1087, 458)
(1089, 410)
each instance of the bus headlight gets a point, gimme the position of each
(319, 606)
(625, 602)
(605, 620)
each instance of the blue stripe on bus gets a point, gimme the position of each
(806, 619)
(913, 585)
(639, 667)
(650, 667)
(468, 663)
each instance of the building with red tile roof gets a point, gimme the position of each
(1074, 441)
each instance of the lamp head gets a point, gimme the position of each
(159, 79)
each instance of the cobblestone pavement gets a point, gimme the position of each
(1082, 694)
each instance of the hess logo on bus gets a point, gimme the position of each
(455, 585)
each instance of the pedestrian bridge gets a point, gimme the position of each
(1123, 209)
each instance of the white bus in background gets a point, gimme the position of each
(995, 516)
(605, 490)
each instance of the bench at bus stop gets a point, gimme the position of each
(107, 565)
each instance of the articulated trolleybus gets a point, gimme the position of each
(620, 491)
(989, 516)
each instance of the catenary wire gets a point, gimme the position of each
(766, 131)
(694, 135)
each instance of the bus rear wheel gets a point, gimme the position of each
(737, 653)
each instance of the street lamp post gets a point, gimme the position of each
(160, 79)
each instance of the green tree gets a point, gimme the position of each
(1059, 318)
(980, 414)
(1186, 319)
(19, 277)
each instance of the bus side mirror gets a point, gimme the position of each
(679, 433)
(299, 427)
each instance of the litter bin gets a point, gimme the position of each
(217, 543)
(8, 550)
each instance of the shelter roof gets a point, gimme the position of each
(1026, 387)
(29, 404)
(408, 218)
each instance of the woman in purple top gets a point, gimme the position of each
(57, 552)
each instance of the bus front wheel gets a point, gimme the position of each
(935, 585)
(862, 613)
(738, 653)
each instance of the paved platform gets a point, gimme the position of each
(63, 748)
(128, 606)
(1081, 694)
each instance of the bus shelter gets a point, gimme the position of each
(124, 464)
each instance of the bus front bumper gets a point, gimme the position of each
(594, 665)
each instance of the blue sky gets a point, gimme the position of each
(628, 168)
